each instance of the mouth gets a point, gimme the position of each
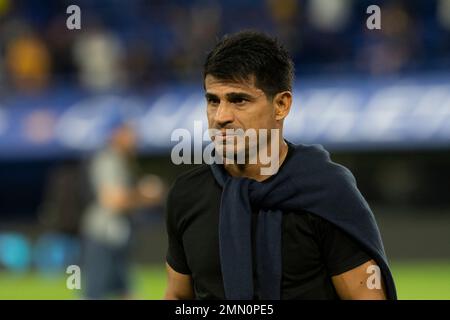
(224, 137)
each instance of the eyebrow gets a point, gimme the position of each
(231, 96)
(211, 96)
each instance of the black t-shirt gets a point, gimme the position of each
(313, 249)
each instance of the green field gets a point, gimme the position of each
(415, 280)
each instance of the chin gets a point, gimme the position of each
(231, 151)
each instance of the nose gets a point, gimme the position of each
(224, 115)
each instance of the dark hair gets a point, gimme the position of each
(238, 56)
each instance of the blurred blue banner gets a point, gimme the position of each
(340, 113)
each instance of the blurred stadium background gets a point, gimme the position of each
(378, 99)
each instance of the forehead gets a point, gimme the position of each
(218, 86)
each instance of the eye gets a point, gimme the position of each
(213, 101)
(239, 101)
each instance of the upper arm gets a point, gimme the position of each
(347, 263)
(357, 284)
(179, 285)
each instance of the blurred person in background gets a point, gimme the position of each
(395, 47)
(106, 226)
(29, 63)
(103, 70)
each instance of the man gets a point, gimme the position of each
(304, 232)
(106, 225)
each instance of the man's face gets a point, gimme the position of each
(236, 105)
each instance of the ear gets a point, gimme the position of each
(282, 103)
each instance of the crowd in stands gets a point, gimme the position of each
(141, 44)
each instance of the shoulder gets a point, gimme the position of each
(193, 177)
(331, 192)
(190, 194)
(190, 184)
(104, 165)
(105, 158)
(314, 164)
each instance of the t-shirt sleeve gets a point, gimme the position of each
(340, 252)
(175, 256)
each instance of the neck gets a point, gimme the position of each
(253, 171)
